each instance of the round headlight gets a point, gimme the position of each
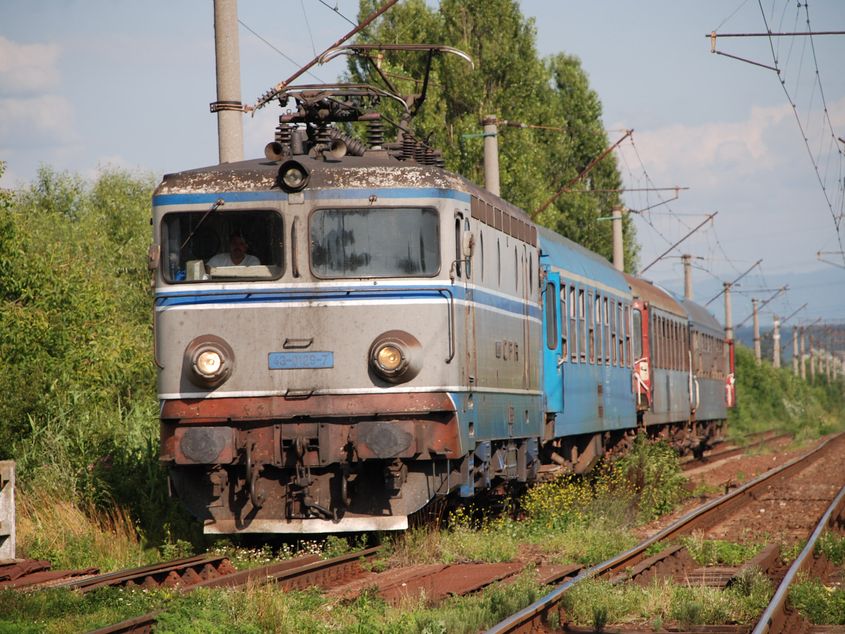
(209, 361)
(395, 356)
(292, 176)
(389, 357)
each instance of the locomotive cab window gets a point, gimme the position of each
(204, 246)
(375, 242)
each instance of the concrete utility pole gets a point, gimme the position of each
(812, 361)
(795, 350)
(618, 245)
(776, 343)
(686, 258)
(803, 354)
(729, 324)
(757, 354)
(230, 130)
(491, 154)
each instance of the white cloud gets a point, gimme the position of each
(27, 68)
(711, 150)
(28, 121)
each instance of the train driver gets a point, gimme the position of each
(237, 255)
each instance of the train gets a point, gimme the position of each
(346, 331)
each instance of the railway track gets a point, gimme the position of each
(635, 563)
(301, 572)
(755, 440)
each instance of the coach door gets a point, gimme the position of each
(552, 348)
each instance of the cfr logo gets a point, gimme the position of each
(507, 350)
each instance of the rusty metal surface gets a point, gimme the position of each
(456, 580)
(180, 572)
(139, 625)
(317, 406)
(11, 569)
(45, 576)
(264, 574)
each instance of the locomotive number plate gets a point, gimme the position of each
(300, 360)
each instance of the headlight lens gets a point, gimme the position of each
(395, 356)
(209, 361)
(292, 176)
(389, 357)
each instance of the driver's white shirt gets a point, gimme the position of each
(224, 259)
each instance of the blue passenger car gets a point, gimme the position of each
(587, 353)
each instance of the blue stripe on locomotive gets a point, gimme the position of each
(582, 397)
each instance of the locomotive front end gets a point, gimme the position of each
(307, 343)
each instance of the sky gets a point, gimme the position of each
(87, 85)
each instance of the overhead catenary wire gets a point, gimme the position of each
(836, 218)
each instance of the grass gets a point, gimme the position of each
(717, 552)
(662, 602)
(258, 609)
(819, 604)
(58, 611)
(70, 536)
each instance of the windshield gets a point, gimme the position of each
(203, 246)
(368, 242)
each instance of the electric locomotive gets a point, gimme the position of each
(345, 331)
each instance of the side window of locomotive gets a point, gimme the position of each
(203, 246)
(458, 256)
(375, 242)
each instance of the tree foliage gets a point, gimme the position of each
(512, 82)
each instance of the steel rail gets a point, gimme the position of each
(296, 573)
(187, 571)
(775, 617)
(703, 516)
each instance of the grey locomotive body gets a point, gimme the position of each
(376, 347)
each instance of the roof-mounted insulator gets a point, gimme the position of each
(375, 134)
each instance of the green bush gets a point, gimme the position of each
(769, 397)
(77, 394)
(655, 473)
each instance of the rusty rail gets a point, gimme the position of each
(705, 516)
(776, 618)
(295, 573)
(185, 572)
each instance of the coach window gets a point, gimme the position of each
(564, 340)
(592, 318)
(620, 334)
(573, 324)
(208, 245)
(375, 242)
(608, 332)
(582, 317)
(637, 338)
(551, 317)
(658, 340)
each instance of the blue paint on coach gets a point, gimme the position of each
(586, 372)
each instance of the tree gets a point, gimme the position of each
(511, 82)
